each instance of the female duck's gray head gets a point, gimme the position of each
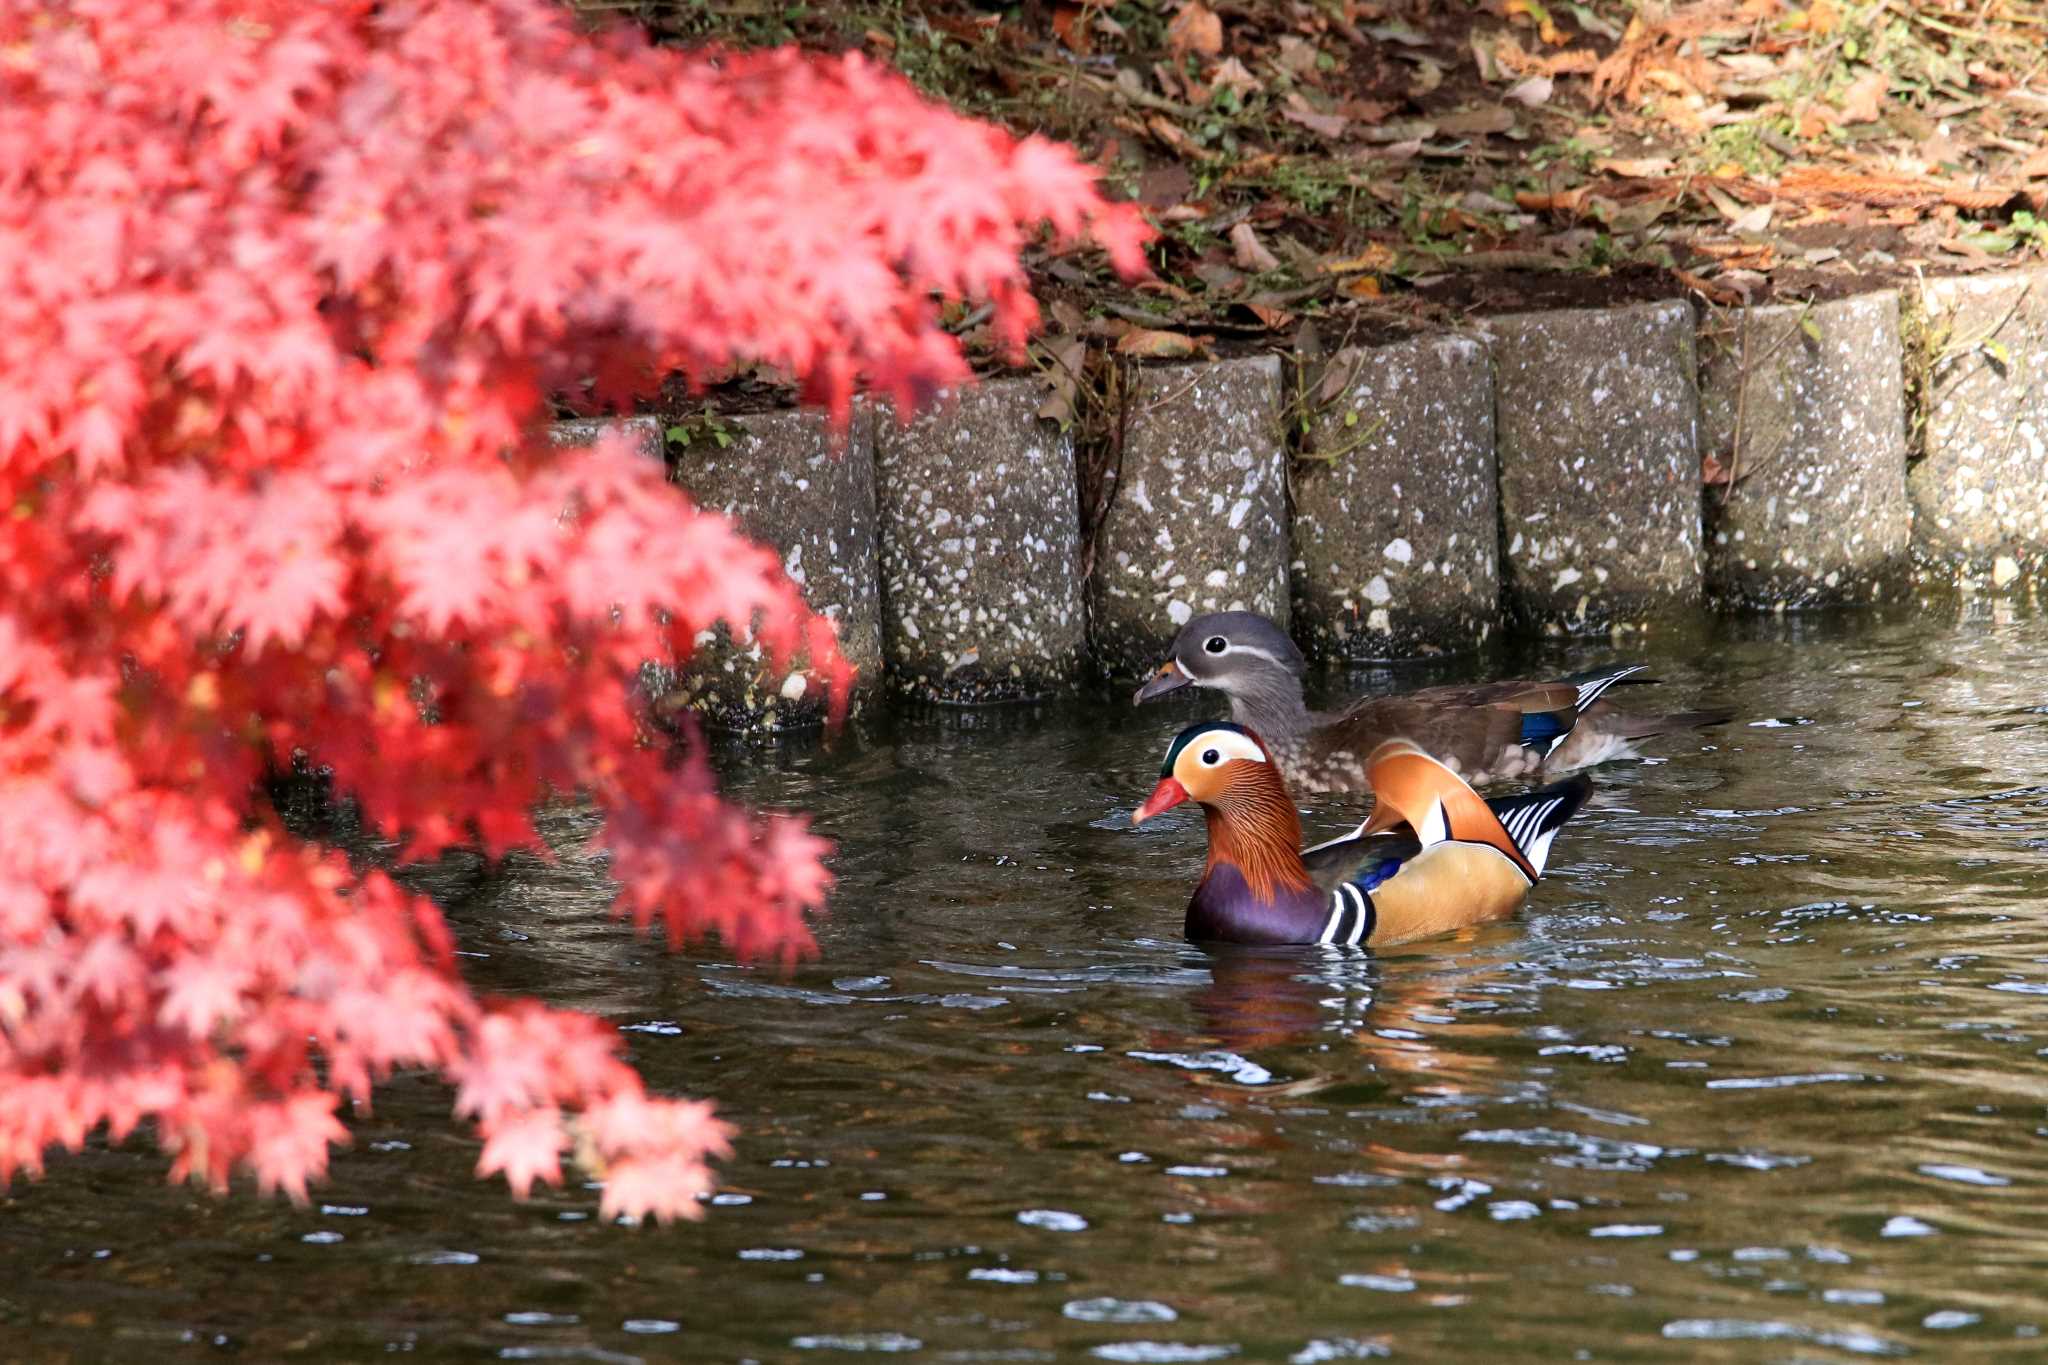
(1237, 652)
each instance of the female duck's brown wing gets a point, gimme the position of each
(1484, 731)
(1473, 737)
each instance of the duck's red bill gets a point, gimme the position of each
(1168, 794)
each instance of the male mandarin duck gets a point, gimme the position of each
(1471, 861)
(1483, 732)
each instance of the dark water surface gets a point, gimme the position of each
(1758, 1075)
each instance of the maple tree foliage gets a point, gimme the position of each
(282, 289)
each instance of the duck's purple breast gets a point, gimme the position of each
(1225, 909)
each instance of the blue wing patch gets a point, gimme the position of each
(1541, 730)
(1379, 872)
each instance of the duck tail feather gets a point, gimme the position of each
(1531, 821)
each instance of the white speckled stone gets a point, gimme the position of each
(1597, 417)
(1820, 515)
(1396, 539)
(583, 431)
(1198, 519)
(980, 548)
(1980, 497)
(788, 484)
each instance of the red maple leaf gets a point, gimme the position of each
(524, 1147)
(277, 496)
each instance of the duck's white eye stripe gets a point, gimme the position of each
(1226, 745)
(1254, 651)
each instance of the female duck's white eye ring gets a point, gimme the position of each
(1216, 644)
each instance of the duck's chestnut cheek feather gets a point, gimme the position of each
(1168, 794)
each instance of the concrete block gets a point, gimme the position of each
(1818, 514)
(980, 548)
(1198, 517)
(1599, 465)
(1397, 515)
(582, 431)
(1980, 497)
(788, 483)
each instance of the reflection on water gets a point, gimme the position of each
(1758, 1075)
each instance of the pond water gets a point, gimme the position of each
(1758, 1075)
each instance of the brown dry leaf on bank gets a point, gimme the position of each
(1171, 133)
(1664, 50)
(1819, 18)
(1061, 362)
(1640, 168)
(1230, 74)
(1299, 110)
(1272, 315)
(1546, 28)
(1146, 344)
(1248, 252)
(1820, 185)
(1568, 202)
(1719, 295)
(1863, 101)
(1509, 56)
(1476, 122)
(1377, 256)
(1195, 29)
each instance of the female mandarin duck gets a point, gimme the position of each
(1471, 861)
(1487, 732)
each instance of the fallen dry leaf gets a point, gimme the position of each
(1708, 290)
(1508, 55)
(1147, 344)
(1976, 200)
(1299, 110)
(1473, 122)
(1231, 74)
(1195, 29)
(1274, 318)
(1564, 201)
(1362, 286)
(1545, 28)
(1165, 287)
(1818, 18)
(1376, 256)
(1072, 33)
(1754, 220)
(1863, 101)
(1170, 133)
(1531, 91)
(1298, 57)
(1064, 359)
(1639, 168)
(1248, 252)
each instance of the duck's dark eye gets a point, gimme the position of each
(1211, 757)
(1216, 644)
